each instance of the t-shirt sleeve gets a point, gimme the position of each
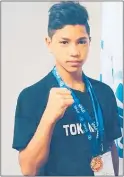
(25, 124)
(113, 126)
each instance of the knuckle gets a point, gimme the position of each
(53, 90)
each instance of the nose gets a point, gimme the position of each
(74, 52)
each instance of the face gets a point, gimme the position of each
(70, 47)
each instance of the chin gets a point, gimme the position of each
(73, 69)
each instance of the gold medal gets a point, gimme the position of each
(96, 164)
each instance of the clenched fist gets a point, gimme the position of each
(59, 100)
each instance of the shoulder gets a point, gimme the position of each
(105, 96)
(38, 90)
(32, 100)
(102, 88)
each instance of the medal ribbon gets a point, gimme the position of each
(83, 115)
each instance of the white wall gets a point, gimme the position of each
(25, 61)
(112, 35)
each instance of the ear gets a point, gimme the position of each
(48, 42)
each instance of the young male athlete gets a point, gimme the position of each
(64, 122)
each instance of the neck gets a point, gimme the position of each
(73, 80)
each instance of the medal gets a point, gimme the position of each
(96, 164)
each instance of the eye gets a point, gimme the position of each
(82, 42)
(64, 42)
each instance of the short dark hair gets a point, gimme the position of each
(67, 13)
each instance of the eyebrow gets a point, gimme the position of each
(81, 38)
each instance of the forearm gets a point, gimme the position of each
(37, 151)
(115, 159)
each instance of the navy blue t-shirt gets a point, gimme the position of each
(70, 151)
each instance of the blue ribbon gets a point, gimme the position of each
(84, 117)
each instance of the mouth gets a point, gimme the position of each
(74, 63)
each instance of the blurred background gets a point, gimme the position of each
(25, 60)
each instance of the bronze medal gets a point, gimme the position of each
(96, 164)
